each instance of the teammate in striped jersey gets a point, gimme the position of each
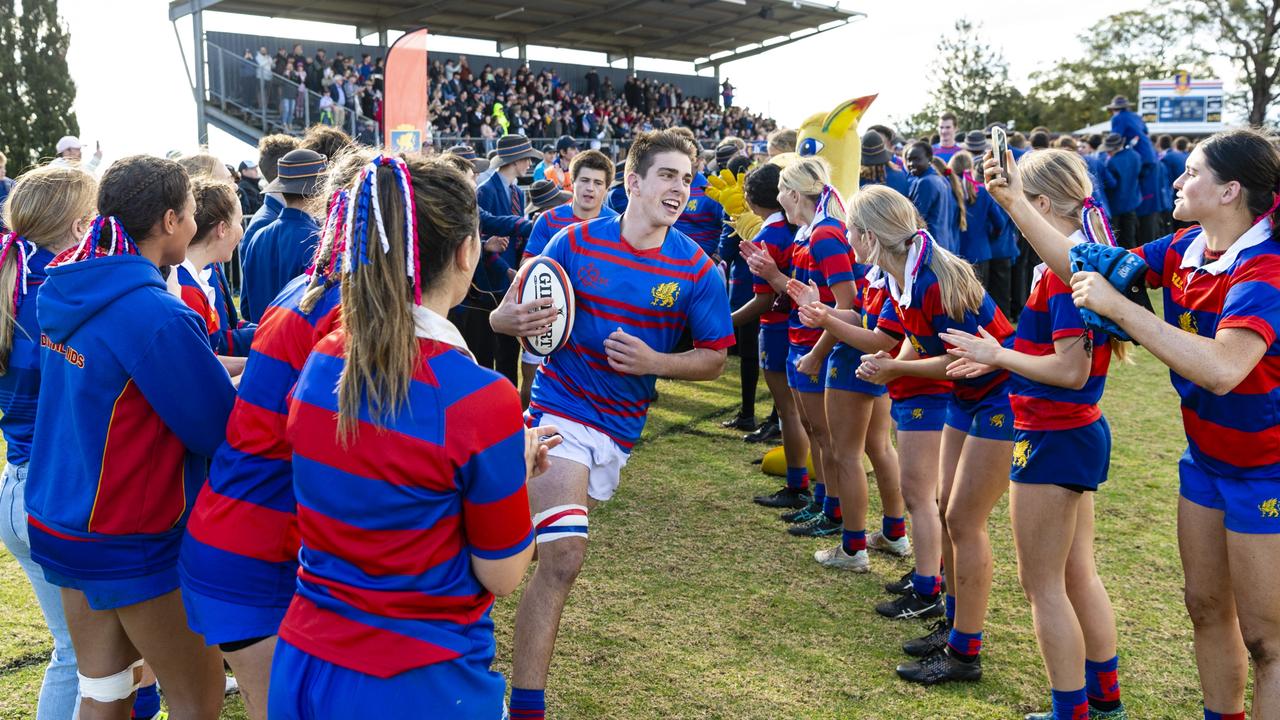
(639, 283)
(1221, 288)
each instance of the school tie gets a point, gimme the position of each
(515, 201)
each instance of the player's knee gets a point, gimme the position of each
(1263, 647)
(111, 688)
(560, 562)
(1208, 608)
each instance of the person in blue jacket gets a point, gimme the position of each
(283, 249)
(1130, 127)
(878, 167)
(931, 194)
(1123, 192)
(1173, 156)
(617, 200)
(133, 404)
(270, 149)
(984, 220)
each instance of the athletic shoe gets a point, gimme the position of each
(1094, 714)
(787, 497)
(767, 432)
(900, 547)
(836, 557)
(902, 585)
(939, 667)
(740, 422)
(912, 605)
(802, 515)
(232, 686)
(820, 526)
(936, 640)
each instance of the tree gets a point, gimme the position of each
(36, 89)
(1117, 53)
(1245, 33)
(971, 79)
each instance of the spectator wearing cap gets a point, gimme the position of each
(878, 167)
(69, 154)
(1123, 192)
(247, 187)
(1126, 123)
(548, 157)
(725, 152)
(283, 249)
(558, 171)
(499, 196)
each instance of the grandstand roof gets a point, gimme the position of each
(705, 32)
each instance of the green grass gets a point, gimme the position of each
(695, 604)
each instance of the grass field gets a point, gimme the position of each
(695, 604)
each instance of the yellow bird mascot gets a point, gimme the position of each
(832, 135)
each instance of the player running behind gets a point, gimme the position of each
(933, 291)
(108, 494)
(639, 284)
(1221, 282)
(1062, 448)
(410, 478)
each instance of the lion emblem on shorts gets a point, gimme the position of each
(1269, 509)
(1021, 451)
(831, 374)
(997, 420)
(665, 294)
(917, 413)
(1188, 323)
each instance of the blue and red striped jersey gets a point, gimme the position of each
(826, 259)
(652, 294)
(702, 217)
(389, 523)
(242, 537)
(553, 221)
(1048, 316)
(925, 317)
(1234, 435)
(199, 290)
(776, 237)
(908, 386)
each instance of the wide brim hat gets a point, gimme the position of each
(466, 152)
(1118, 102)
(1113, 141)
(975, 142)
(512, 148)
(546, 194)
(299, 172)
(874, 149)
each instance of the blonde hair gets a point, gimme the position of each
(200, 165)
(809, 176)
(961, 163)
(1062, 177)
(782, 140)
(40, 209)
(895, 223)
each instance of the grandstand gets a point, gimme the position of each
(239, 97)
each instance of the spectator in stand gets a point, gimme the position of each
(263, 74)
(315, 73)
(946, 146)
(726, 92)
(931, 194)
(558, 171)
(1123, 192)
(283, 249)
(247, 188)
(878, 167)
(366, 67)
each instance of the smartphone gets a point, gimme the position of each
(1000, 145)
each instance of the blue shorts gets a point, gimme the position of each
(774, 347)
(220, 621)
(804, 383)
(304, 687)
(113, 593)
(842, 372)
(989, 418)
(1077, 459)
(1248, 506)
(922, 413)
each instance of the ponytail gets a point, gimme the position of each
(14, 252)
(333, 243)
(95, 243)
(957, 191)
(962, 165)
(960, 289)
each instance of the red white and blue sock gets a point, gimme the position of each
(928, 586)
(798, 478)
(146, 703)
(1211, 715)
(965, 645)
(831, 508)
(893, 528)
(1070, 705)
(853, 541)
(1102, 683)
(528, 704)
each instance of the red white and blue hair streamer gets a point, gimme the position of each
(91, 245)
(333, 241)
(820, 211)
(1091, 205)
(365, 201)
(12, 242)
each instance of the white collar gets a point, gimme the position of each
(775, 218)
(431, 325)
(902, 296)
(202, 277)
(1260, 232)
(1076, 238)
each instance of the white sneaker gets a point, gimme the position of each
(835, 557)
(900, 547)
(232, 686)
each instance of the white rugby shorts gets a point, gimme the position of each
(585, 445)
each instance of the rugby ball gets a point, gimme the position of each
(539, 279)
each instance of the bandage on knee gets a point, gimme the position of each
(560, 522)
(112, 688)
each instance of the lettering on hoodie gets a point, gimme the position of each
(66, 351)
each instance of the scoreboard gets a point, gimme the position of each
(1181, 105)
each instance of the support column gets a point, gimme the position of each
(631, 64)
(202, 123)
(524, 53)
(382, 41)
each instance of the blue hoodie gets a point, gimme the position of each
(1121, 182)
(279, 253)
(931, 194)
(20, 385)
(133, 402)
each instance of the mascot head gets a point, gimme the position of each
(834, 136)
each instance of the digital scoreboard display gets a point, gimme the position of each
(1181, 104)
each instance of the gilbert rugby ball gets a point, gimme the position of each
(539, 279)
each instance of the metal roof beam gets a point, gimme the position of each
(182, 8)
(765, 48)
(550, 30)
(413, 14)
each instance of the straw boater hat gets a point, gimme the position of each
(299, 172)
(544, 195)
(512, 148)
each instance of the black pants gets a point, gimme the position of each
(1126, 229)
(748, 337)
(1148, 228)
(983, 271)
(1023, 268)
(999, 283)
(490, 349)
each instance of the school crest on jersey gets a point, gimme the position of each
(692, 206)
(665, 294)
(1188, 323)
(1021, 451)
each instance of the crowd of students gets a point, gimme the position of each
(326, 485)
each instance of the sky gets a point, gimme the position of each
(134, 93)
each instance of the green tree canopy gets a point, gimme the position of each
(36, 89)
